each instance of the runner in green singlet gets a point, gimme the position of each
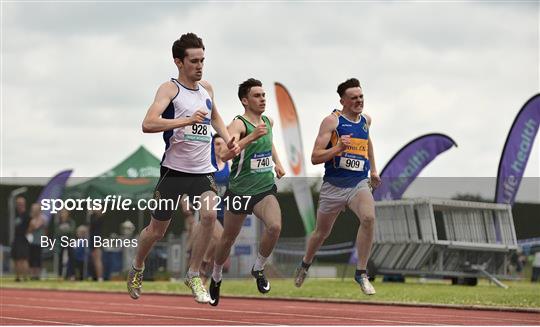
(251, 185)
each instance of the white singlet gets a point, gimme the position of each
(187, 149)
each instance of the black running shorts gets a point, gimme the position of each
(173, 184)
(246, 204)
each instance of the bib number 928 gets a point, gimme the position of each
(199, 129)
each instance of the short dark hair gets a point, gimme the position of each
(186, 41)
(243, 89)
(351, 82)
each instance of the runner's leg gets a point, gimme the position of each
(363, 206)
(207, 221)
(269, 212)
(323, 227)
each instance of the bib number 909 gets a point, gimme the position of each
(351, 164)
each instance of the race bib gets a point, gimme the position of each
(352, 162)
(261, 162)
(198, 133)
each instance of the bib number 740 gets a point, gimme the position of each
(261, 162)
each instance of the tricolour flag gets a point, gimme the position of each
(295, 153)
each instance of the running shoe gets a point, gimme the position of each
(214, 292)
(300, 275)
(134, 282)
(365, 285)
(263, 285)
(197, 289)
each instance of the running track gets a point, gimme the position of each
(39, 307)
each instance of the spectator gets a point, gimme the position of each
(20, 248)
(515, 262)
(65, 227)
(36, 230)
(80, 253)
(536, 267)
(96, 225)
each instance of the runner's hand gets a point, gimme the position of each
(344, 142)
(375, 180)
(260, 131)
(199, 116)
(280, 172)
(233, 146)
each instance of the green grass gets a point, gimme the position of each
(521, 294)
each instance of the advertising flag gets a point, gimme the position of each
(408, 162)
(54, 190)
(516, 151)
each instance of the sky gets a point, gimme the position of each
(78, 77)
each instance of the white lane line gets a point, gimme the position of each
(423, 314)
(42, 321)
(131, 314)
(521, 320)
(240, 311)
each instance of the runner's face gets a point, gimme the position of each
(256, 100)
(353, 100)
(192, 65)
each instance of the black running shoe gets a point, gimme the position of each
(214, 292)
(263, 285)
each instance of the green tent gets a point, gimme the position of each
(134, 178)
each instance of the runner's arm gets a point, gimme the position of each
(320, 154)
(374, 175)
(237, 129)
(215, 117)
(280, 171)
(219, 125)
(153, 122)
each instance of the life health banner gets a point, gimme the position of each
(516, 151)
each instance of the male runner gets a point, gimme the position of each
(183, 110)
(344, 145)
(251, 185)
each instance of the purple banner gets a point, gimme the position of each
(54, 190)
(408, 162)
(516, 151)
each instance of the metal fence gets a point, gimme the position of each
(436, 237)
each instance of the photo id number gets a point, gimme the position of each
(237, 202)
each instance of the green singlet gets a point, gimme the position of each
(251, 171)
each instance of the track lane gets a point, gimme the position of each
(118, 309)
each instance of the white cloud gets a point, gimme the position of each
(78, 78)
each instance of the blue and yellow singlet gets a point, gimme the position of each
(351, 166)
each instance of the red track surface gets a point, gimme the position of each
(38, 307)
